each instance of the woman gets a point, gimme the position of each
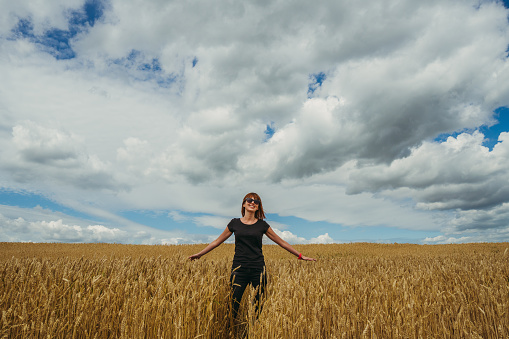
(248, 262)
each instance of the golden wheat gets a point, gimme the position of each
(353, 291)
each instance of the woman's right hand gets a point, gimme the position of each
(194, 257)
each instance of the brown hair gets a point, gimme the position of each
(259, 214)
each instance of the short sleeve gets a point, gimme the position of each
(231, 226)
(265, 227)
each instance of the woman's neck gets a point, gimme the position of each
(249, 218)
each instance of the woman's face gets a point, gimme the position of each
(251, 204)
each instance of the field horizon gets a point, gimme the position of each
(56, 249)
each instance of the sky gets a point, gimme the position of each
(146, 122)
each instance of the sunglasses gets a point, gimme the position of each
(250, 200)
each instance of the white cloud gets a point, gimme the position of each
(294, 239)
(56, 231)
(459, 173)
(493, 218)
(441, 239)
(44, 225)
(394, 100)
(322, 239)
(290, 237)
(53, 155)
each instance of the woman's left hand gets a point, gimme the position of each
(307, 258)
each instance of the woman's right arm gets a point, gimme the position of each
(225, 235)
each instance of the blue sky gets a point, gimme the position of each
(149, 125)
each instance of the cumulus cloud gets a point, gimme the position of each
(56, 231)
(322, 239)
(58, 156)
(380, 105)
(44, 146)
(294, 239)
(457, 174)
(459, 160)
(494, 218)
(290, 237)
(441, 239)
(44, 225)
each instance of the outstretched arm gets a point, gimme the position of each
(225, 235)
(277, 239)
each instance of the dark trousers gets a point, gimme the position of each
(240, 278)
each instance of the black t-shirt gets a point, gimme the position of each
(248, 243)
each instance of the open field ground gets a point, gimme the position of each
(353, 291)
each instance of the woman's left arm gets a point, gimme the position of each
(277, 239)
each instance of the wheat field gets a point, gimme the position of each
(359, 290)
